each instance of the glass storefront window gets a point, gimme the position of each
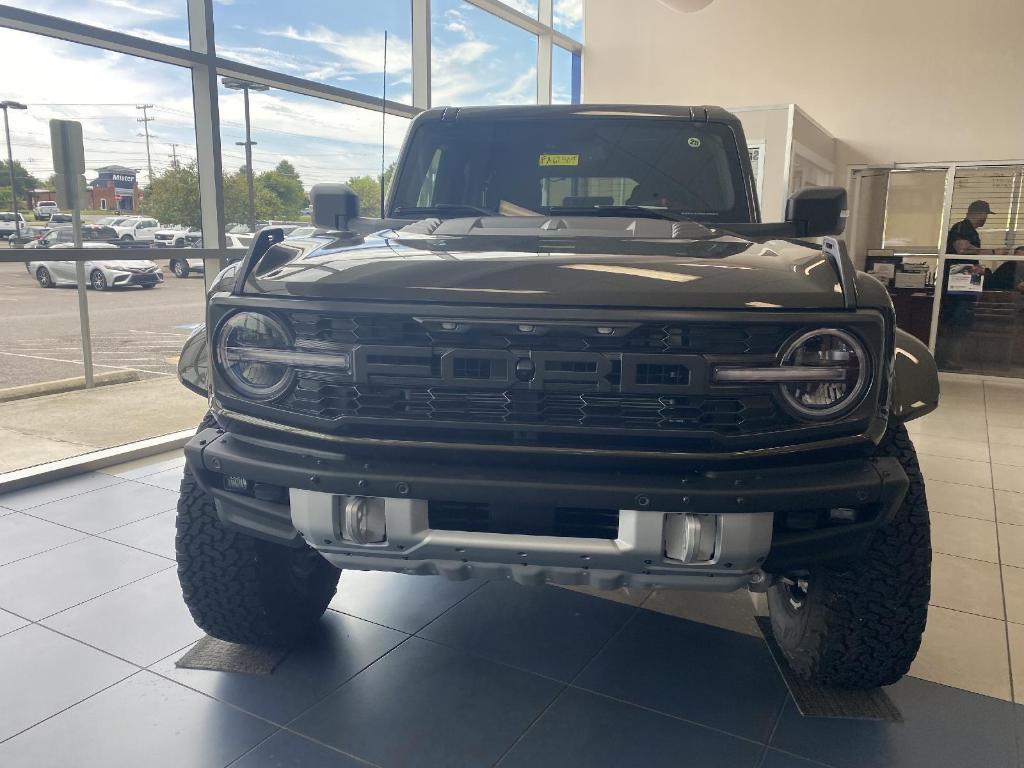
(568, 18)
(138, 322)
(529, 7)
(301, 141)
(477, 58)
(565, 77)
(339, 44)
(162, 21)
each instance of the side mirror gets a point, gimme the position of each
(817, 211)
(334, 206)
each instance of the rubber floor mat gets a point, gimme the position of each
(820, 701)
(220, 656)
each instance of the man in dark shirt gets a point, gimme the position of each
(963, 237)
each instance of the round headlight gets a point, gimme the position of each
(252, 351)
(836, 370)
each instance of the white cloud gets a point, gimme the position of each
(568, 13)
(353, 54)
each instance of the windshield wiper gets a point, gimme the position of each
(616, 210)
(442, 209)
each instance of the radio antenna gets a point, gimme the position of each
(383, 120)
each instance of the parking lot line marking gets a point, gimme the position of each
(97, 365)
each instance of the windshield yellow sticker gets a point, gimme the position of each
(559, 160)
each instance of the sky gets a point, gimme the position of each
(476, 59)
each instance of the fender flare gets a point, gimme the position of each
(915, 387)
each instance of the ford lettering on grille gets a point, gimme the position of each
(529, 369)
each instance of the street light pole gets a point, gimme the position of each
(245, 86)
(5, 105)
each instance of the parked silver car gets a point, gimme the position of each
(101, 274)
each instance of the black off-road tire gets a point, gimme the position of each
(859, 624)
(243, 589)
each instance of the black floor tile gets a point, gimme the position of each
(142, 622)
(427, 705)
(154, 534)
(42, 672)
(55, 580)
(398, 600)
(105, 508)
(35, 495)
(9, 622)
(709, 675)
(143, 721)
(584, 729)
(339, 648)
(288, 750)
(23, 536)
(775, 759)
(547, 630)
(942, 727)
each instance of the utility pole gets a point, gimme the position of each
(245, 86)
(5, 105)
(174, 156)
(146, 120)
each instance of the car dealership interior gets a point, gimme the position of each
(643, 381)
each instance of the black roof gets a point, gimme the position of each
(540, 111)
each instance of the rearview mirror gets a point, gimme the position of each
(334, 205)
(817, 211)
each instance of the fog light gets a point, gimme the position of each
(236, 484)
(843, 515)
(363, 521)
(691, 538)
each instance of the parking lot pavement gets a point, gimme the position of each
(131, 328)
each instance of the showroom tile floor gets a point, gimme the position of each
(419, 671)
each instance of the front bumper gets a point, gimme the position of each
(293, 488)
(135, 278)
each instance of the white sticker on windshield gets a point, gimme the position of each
(694, 142)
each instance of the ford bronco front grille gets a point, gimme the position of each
(619, 377)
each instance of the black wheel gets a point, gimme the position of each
(44, 278)
(179, 268)
(242, 589)
(127, 237)
(859, 625)
(97, 280)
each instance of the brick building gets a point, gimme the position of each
(114, 189)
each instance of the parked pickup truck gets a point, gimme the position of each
(570, 353)
(141, 229)
(44, 209)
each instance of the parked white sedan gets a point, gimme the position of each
(100, 274)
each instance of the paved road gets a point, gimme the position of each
(132, 328)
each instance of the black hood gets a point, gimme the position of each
(597, 262)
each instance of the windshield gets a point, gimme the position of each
(572, 165)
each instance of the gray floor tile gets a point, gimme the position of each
(338, 649)
(439, 707)
(58, 489)
(288, 750)
(550, 631)
(701, 673)
(145, 470)
(583, 729)
(42, 672)
(398, 600)
(142, 721)
(143, 622)
(22, 536)
(942, 727)
(106, 508)
(775, 759)
(9, 622)
(168, 479)
(55, 580)
(153, 534)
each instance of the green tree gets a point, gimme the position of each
(367, 189)
(173, 197)
(23, 180)
(285, 185)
